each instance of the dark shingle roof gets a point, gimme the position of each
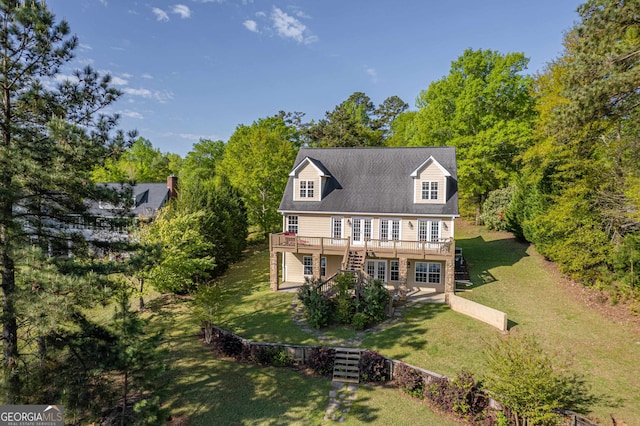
(149, 198)
(374, 180)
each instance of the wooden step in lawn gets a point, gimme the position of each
(345, 366)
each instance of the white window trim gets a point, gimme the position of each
(428, 264)
(304, 266)
(390, 221)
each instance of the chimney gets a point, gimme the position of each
(172, 184)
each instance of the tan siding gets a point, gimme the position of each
(294, 268)
(431, 173)
(333, 264)
(308, 172)
(314, 226)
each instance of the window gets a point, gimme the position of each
(428, 272)
(394, 270)
(336, 227)
(307, 188)
(428, 230)
(307, 264)
(390, 229)
(421, 272)
(323, 266)
(292, 224)
(429, 190)
(434, 273)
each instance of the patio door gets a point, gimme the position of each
(430, 231)
(360, 230)
(389, 231)
(377, 269)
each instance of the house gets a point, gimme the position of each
(387, 212)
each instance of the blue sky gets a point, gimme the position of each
(192, 69)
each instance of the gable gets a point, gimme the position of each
(430, 182)
(309, 177)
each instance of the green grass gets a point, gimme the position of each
(508, 275)
(204, 390)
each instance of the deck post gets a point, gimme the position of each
(450, 274)
(402, 275)
(316, 265)
(274, 275)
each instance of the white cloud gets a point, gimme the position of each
(147, 76)
(119, 81)
(161, 96)
(251, 25)
(83, 46)
(131, 114)
(182, 10)
(289, 27)
(190, 136)
(373, 74)
(161, 15)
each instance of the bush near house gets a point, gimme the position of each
(357, 306)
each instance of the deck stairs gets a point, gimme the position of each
(346, 365)
(355, 261)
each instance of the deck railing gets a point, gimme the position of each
(300, 243)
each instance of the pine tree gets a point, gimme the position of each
(53, 135)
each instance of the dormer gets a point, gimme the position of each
(430, 183)
(309, 180)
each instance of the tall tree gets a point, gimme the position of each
(202, 161)
(257, 162)
(183, 261)
(484, 108)
(586, 164)
(139, 163)
(51, 140)
(356, 122)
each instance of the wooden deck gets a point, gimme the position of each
(286, 242)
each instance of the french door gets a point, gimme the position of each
(377, 269)
(360, 230)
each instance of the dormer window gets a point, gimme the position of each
(307, 188)
(429, 190)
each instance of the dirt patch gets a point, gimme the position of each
(596, 300)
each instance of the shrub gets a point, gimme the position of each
(229, 344)
(373, 367)
(344, 283)
(374, 300)
(268, 355)
(495, 207)
(317, 306)
(360, 321)
(345, 309)
(321, 360)
(543, 384)
(409, 380)
(282, 359)
(460, 395)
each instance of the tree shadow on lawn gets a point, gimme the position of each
(482, 255)
(410, 332)
(203, 389)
